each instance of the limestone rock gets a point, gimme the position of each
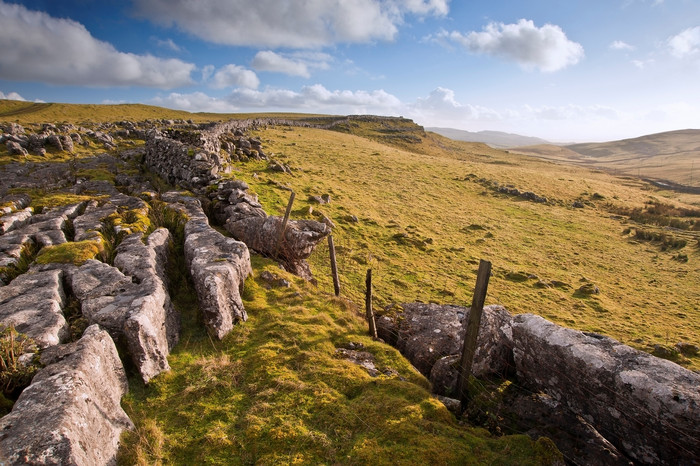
(15, 220)
(71, 412)
(135, 309)
(649, 408)
(219, 267)
(14, 148)
(33, 303)
(431, 336)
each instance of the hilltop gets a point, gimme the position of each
(667, 156)
(497, 139)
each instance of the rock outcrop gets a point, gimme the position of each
(33, 304)
(245, 219)
(134, 308)
(71, 413)
(218, 266)
(648, 407)
(431, 336)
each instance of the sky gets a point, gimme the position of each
(562, 70)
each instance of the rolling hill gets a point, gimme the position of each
(669, 156)
(496, 139)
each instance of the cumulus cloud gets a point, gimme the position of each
(309, 98)
(11, 96)
(296, 64)
(620, 45)
(546, 48)
(38, 47)
(271, 23)
(233, 76)
(686, 43)
(441, 104)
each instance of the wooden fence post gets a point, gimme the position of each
(368, 305)
(472, 332)
(283, 228)
(334, 266)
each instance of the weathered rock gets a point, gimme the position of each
(219, 267)
(71, 412)
(431, 336)
(649, 408)
(363, 359)
(262, 234)
(14, 148)
(15, 220)
(136, 310)
(33, 303)
(15, 202)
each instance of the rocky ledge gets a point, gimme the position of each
(601, 402)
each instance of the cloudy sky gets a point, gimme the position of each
(561, 70)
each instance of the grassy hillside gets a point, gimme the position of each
(669, 156)
(30, 112)
(426, 217)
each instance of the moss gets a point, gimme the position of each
(69, 253)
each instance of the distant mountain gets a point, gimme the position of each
(496, 139)
(672, 155)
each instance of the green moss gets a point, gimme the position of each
(69, 253)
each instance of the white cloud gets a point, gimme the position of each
(441, 104)
(271, 61)
(234, 76)
(296, 64)
(38, 47)
(546, 48)
(686, 43)
(271, 23)
(11, 96)
(309, 98)
(620, 45)
(168, 44)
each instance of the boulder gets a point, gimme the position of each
(219, 267)
(33, 303)
(15, 220)
(649, 408)
(14, 148)
(431, 336)
(71, 413)
(135, 309)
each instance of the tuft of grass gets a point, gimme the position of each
(76, 253)
(26, 258)
(14, 375)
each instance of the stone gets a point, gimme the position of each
(33, 303)
(14, 148)
(649, 408)
(363, 359)
(15, 220)
(431, 336)
(71, 413)
(135, 309)
(219, 267)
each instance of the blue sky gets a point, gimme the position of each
(561, 70)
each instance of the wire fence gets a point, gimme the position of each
(630, 411)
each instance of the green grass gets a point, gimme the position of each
(416, 213)
(273, 392)
(76, 253)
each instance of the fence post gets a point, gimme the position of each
(472, 332)
(334, 266)
(283, 228)
(368, 305)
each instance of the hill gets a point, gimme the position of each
(663, 156)
(495, 139)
